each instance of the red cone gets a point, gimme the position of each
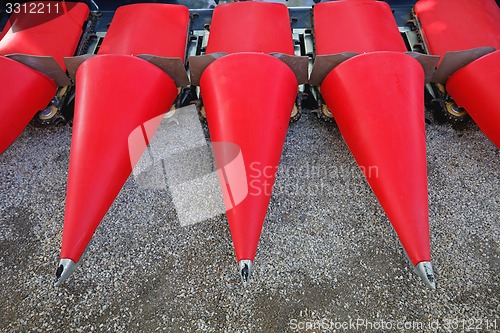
(377, 102)
(248, 99)
(115, 96)
(476, 87)
(23, 92)
(104, 118)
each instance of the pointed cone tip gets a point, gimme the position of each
(245, 269)
(426, 273)
(64, 270)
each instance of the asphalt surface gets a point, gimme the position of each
(328, 259)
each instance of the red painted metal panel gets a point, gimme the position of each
(157, 29)
(355, 26)
(251, 27)
(454, 25)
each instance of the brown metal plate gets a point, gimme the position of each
(44, 65)
(72, 64)
(174, 67)
(323, 64)
(428, 63)
(453, 61)
(197, 65)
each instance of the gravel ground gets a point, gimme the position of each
(327, 255)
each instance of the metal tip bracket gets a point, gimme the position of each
(426, 273)
(245, 268)
(66, 267)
